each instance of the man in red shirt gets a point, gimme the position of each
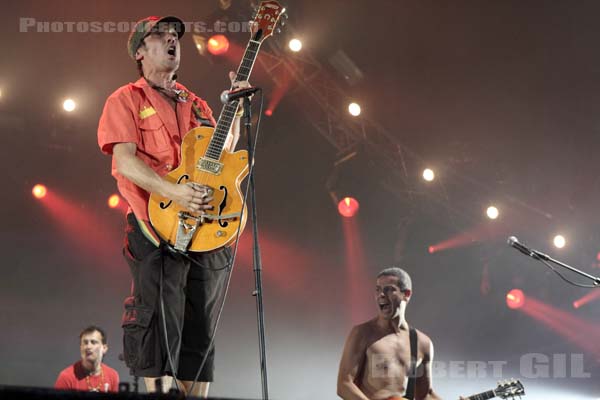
(170, 316)
(90, 374)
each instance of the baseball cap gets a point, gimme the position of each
(143, 28)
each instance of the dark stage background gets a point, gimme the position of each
(500, 97)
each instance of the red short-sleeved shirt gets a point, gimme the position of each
(136, 113)
(74, 378)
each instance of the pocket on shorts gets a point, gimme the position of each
(138, 335)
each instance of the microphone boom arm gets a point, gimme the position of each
(513, 242)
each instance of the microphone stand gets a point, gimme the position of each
(544, 257)
(260, 314)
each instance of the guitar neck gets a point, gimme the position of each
(483, 396)
(217, 143)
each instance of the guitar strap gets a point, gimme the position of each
(412, 374)
(148, 231)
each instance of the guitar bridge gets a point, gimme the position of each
(210, 166)
(185, 231)
(222, 217)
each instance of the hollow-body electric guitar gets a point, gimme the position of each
(505, 390)
(205, 160)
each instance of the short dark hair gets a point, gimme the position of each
(92, 329)
(403, 278)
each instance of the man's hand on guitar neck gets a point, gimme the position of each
(234, 133)
(237, 85)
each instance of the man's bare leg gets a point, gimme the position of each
(167, 382)
(200, 388)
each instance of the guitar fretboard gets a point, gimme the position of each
(217, 143)
(483, 396)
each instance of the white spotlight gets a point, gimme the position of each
(559, 241)
(295, 45)
(69, 105)
(354, 109)
(492, 212)
(428, 175)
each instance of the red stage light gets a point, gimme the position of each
(577, 330)
(217, 45)
(284, 81)
(588, 298)
(431, 249)
(515, 299)
(114, 200)
(348, 207)
(39, 191)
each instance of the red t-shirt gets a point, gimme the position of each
(136, 113)
(74, 378)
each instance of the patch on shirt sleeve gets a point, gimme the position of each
(201, 117)
(147, 112)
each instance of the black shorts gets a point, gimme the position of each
(192, 293)
(204, 291)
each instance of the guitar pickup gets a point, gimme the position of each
(210, 166)
(202, 217)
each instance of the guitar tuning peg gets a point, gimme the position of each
(282, 24)
(278, 30)
(285, 15)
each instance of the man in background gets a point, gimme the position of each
(384, 358)
(89, 374)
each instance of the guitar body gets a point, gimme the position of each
(505, 390)
(211, 234)
(204, 160)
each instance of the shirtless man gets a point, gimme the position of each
(375, 364)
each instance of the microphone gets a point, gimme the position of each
(514, 242)
(232, 95)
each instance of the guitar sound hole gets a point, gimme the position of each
(163, 205)
(222, 205)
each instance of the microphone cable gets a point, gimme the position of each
(234, 254)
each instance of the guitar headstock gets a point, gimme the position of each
(509, 389)
(266, 20)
